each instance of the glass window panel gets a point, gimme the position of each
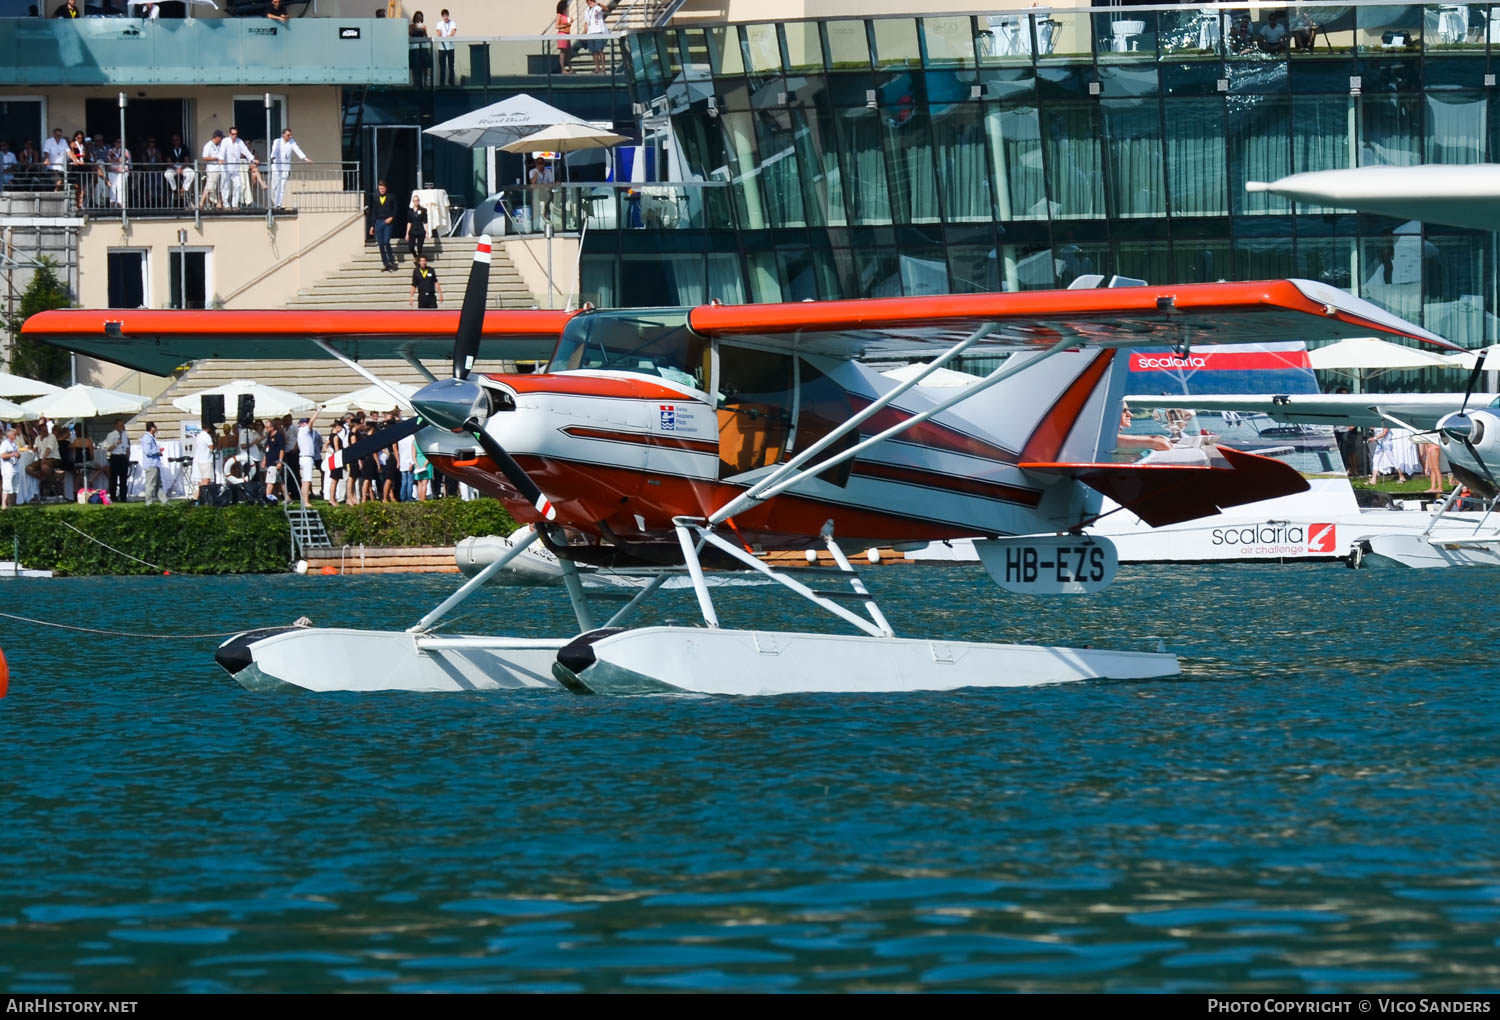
(1008, 39)
(924, 272)
(1071, 260)
(779, 172)
(878, 272)
(1389, 28)
(1457, 126)
(1453, 287)
(739, 151)
(763, 47)
(1062, 36)
(724, 50)
(1125, 36)
(1132, 130)
(973, 269)
(1260, 149)
(1450, 27)
(1262, 258)
(724, 280)
(868, 191)
(765, 276)
(958, 137)
(820, 153)
(1330, 260)
(1200, 262)
(804, 46)
(948, 42)
(1390, 270)
(597, 280)
(1075, 175)
(912, 173)
(848, 45)
(1391, 130)
(1188, 33)
(896, 43)
(1150, 261)
(1322, 137)
(1014, 135)
(1196, 157)
(1025, 267)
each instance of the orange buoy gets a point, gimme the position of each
(329, 571)
(4, 674)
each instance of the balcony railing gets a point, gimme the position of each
(201, 51)
(466, 63)
(570, 207)
(159, 190)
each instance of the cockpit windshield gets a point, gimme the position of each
(654, 343)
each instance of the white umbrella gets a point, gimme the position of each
(566, 138)
(501, 123)
(270, 402)
(368, 398)
(20, 386)
(10, 411)
(1460, 196)
(1468, 359)
(86, 402)
(1368, 353)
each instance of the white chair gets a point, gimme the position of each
(1124, 30)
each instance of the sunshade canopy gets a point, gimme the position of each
(1460, 196)
(82, 401)
(1370, 353)
(501, 123)
(20, 386)
(566, 138)
(368, 398)
(270, 401)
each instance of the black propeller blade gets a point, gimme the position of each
(471, 318)
(1473, 381)
(460, 404)
(388, 436)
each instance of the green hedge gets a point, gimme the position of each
(439, 522)
(187, 539)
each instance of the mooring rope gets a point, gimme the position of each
(91, 538)
(117, 633)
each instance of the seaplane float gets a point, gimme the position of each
(680, 443)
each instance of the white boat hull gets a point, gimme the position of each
(338, 659)
(1427, 553)
(754, 663)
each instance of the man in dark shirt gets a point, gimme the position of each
(69, 9)
(425, 289)
(275, 448)
(383, 225)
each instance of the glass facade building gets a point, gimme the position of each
(951, 153)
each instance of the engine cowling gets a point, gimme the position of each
(1481, 429)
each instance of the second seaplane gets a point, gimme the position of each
(677, 444)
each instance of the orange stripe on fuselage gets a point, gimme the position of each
(631, 388)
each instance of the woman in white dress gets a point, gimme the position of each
(1395, 453)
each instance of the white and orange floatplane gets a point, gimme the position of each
(675, 444)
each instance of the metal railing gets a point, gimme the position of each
(103, 191)
(470, 63)
(570, 207)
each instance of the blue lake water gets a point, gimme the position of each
(1312, 806)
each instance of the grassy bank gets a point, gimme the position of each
(72, 539)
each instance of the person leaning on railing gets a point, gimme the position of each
(282, 151)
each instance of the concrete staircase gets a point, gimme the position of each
(360, 284)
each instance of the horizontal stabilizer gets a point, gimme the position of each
(1166, 493)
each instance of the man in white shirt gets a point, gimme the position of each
(306, 450)
(282, 151)
(203, 463)
(117, 445)
(55, 152)
(446, 30)
(593, 24)
(7, 164)
(118, 173)
(406, 460)
(10, 455)
(237, 159)
(151, 464)
(213, 174)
